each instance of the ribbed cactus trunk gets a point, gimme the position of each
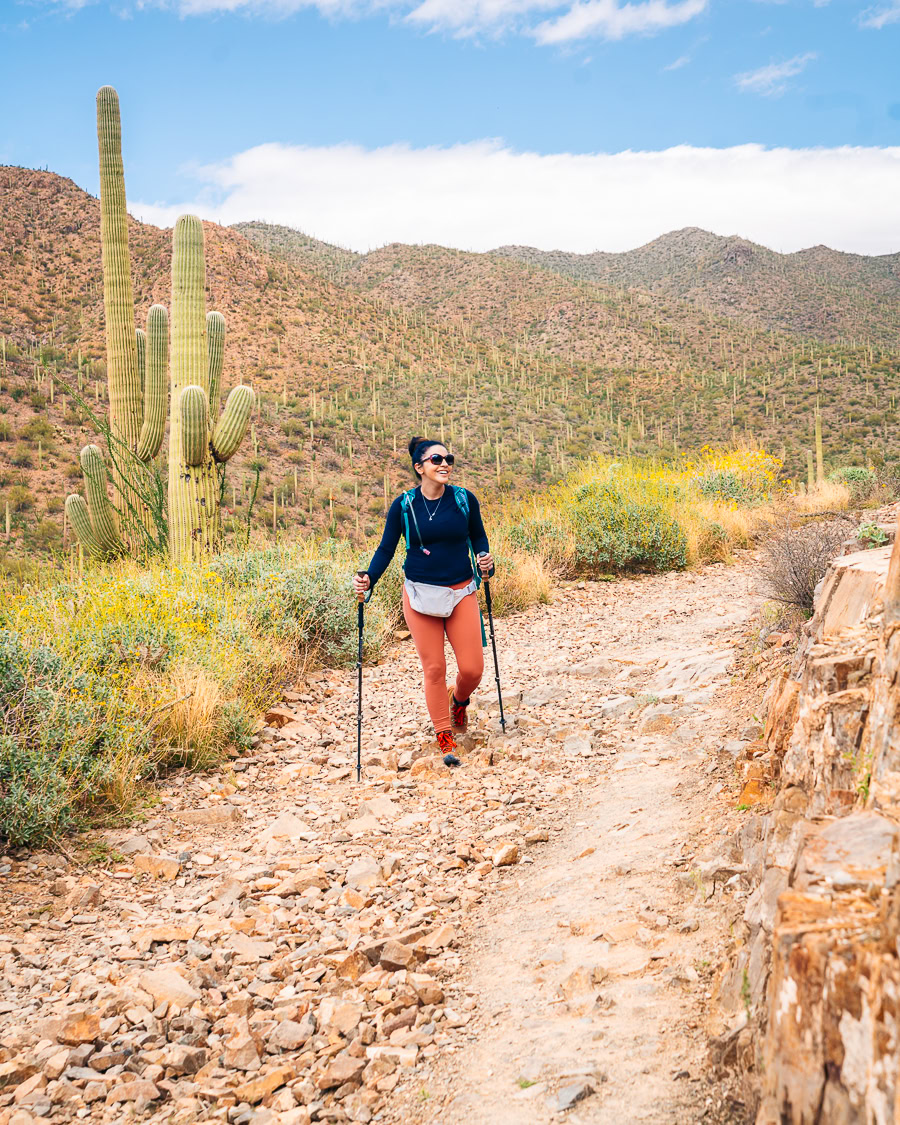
(123, 378)
(196, 448)
(820, 456)
(193, 480)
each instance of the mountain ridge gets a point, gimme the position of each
(522, 369)
(815, 291)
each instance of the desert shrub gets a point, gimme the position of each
(795, 559)
(19, 498)
(725, 484)
(21, 457)
(302, 596)
(59, 734)
(871, 535)
(861, 482)
(36, 429)
(614, 531)
(46, 536)
(6, 431)
(539, 533)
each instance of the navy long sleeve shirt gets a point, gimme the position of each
(445, 536)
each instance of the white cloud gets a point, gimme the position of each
(772, 80)
(484, 194)
(677, 64)
(877, 18)
(612, 20)
(467, 17)
(568, 20)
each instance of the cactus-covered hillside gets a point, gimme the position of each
(681, 373)
(522, 371)
(818, 291)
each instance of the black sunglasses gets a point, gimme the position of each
(437, 459)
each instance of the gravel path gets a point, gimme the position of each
(524, 936)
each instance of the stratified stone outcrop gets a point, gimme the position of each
(817, 970)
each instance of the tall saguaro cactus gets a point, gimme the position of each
(125, 408)
(198, 443)
(136, 363)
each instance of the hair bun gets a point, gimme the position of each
(413, 443)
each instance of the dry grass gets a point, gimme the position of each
(193, 727)
(826, 496)
(521, 580)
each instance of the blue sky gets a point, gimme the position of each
(475, 122)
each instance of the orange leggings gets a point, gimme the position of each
(463, 630)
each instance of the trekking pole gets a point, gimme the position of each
(487, 600)
(359, 625)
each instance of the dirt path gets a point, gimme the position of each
(278, 945)
(589, 973)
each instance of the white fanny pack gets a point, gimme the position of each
(436, 601)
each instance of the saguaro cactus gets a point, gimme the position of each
(198, 443)
(136, 363)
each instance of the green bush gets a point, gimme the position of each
(860, 481)
(725, 484)
(614, 532)
(59, 734)
(37, 429)
(306, 601)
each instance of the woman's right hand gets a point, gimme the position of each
(361, 584)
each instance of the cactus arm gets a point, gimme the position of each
(103, 519)
(141, 341)
(215, 335)
(155, 384)
(194, 425)
(232, 426)
(125, 408)
(80, 522)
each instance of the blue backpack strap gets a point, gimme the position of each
(462, 500)
(405, 504)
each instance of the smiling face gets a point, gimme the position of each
(437, 474)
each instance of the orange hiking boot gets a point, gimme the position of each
(459, 717)
(447, 744)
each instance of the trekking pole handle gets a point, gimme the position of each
(360, 597)
(479, 556)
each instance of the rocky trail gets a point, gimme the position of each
(532, 935)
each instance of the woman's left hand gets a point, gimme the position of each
(485, 564)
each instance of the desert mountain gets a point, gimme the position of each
(520, 368)
(818, 292)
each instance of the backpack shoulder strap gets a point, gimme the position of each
(406, 501)
(462, 499)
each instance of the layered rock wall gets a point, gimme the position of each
(818, 963)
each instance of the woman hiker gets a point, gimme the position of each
(442, 527)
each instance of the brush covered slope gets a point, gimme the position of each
(664, 372)
(522, 371)
(818, 291)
